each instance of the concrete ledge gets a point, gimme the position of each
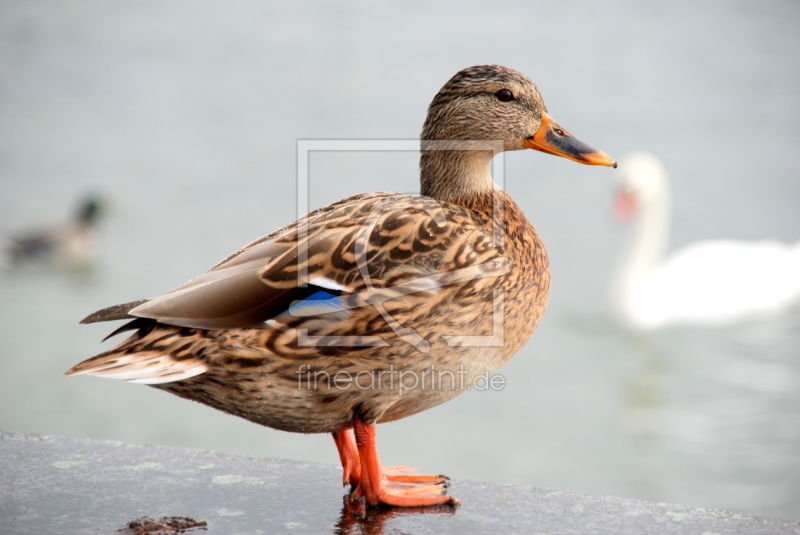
(62, 485)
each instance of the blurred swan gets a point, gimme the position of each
(71, 245)
(711, 282)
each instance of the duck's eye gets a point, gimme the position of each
(504, 95)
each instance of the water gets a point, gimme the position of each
(187, 116)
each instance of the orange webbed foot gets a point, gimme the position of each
(348, 455)
(400, 486)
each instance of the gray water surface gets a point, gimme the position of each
(186, 116)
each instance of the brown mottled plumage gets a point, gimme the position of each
(423, 294)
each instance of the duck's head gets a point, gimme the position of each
(495, 103)
(643, 181)
(90, 209)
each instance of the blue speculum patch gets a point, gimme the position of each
(320, 302)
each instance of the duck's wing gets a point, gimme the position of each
(364, 242)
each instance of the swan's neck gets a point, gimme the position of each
(646, 246)
(449, 174)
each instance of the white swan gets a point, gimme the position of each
(712, 282)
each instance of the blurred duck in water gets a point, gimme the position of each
(71, 245)
(710, 282)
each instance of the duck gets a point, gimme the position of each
(709, 283)
(71, 245)
(373, 308)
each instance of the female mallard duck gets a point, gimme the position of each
(371, 309)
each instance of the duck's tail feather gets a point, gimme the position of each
(155, 354)
(116, 312)
(136, 324)
(144, 368)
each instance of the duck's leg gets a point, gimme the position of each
(401, 490)
(348, 454)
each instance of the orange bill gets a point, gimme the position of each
(553, 139)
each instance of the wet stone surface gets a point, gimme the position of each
(64, 485)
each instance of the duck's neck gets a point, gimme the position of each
(448, 175)
(646, 246)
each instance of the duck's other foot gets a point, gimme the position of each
(407, 474)
(348, 455)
